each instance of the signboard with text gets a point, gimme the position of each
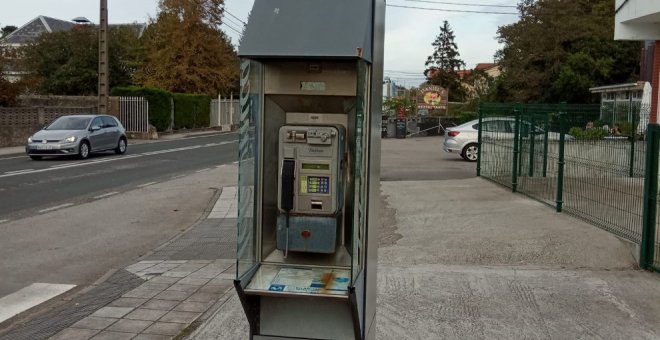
(432, 97)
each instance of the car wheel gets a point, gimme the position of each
(83, 150)
(36, 158)
(121, 146)
(470, 152)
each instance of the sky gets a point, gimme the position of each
(409, 32)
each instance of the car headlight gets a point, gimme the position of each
(29, 139)
(70, 139)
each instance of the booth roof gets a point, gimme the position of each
(309, 29)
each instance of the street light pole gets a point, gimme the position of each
(103, 58)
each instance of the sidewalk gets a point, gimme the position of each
(467, 259)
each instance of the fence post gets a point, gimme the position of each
(546, 128)
(532, 136)
(632, 153)
(560, 170)
(516, 147)
(479, 151)
(647, 245)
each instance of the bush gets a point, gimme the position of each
(160, 105)
(466, 116)
(191, 111)
(588, 134)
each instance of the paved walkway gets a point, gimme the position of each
(467, 259)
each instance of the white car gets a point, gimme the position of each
(463, 139)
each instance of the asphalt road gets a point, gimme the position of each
(28, 187)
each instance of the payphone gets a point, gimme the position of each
(311, 188)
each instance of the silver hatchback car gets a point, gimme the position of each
(463, 139)
(78, 135)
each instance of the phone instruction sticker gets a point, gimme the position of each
(310, 281)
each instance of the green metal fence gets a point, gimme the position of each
(586, 160)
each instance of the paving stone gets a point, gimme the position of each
(154, 286)
(165, 328)
(164, 279)
(215, 289)
(204, 274)
(193, 306)
(173, 295)
(200, 261)
(146, 314)
(203, 297)
(130, 326)
(112, 312)
(127, 302)
(190, 288)
(74, 334)
(140, 266)
(152, 337)
(92, 322)
(107, 335)
(176, 274)
(226, 276)
(221, 282)
(160, 304)
(180, 317)
(142, 293)
(194, 281)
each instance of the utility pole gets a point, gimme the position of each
(103, 59)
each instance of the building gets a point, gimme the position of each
(625, 102)
(640, 20)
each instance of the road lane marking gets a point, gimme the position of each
(235, 162)
(146, 184)
(3, 221)
(55, 207)
(18, 171)
(114, 159)
(28, 297)
(105, 195)
(202, 170)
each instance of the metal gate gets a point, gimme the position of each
(134, 114)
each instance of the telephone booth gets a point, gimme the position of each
(309, 158)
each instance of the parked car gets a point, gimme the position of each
(463, 139)
(78, 135)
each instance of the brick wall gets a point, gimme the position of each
(19, 123)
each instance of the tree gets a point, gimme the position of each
(6, 30)
(9, 91)
(186, 50)
(66, 62)
(443, 65)
(558, 49)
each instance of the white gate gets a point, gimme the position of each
(134, 114)
(225, 113)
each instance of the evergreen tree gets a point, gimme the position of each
(186, 50)
(443, 65)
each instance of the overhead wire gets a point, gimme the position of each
(462, 4)
(450, 10)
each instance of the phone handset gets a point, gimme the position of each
(286, 198)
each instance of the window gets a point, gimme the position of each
(109, 121)
(97, 122)
(498, 125)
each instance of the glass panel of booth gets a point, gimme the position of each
(360, 168)
(248, 163)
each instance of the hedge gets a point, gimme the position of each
(160, 104)
(191, 111)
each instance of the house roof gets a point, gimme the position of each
(35, 28)
(43, 24)
(638, 86)
(485, 66)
